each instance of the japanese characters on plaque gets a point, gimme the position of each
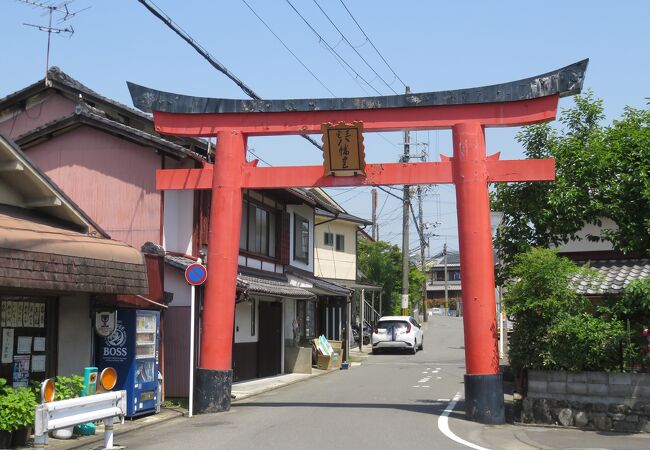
(343, 149)
(22, 314)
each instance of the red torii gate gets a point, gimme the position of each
(466, 112)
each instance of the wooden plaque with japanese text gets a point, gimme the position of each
(343, 150)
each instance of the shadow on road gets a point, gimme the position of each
(431, 406)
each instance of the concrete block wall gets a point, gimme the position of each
(600, 400)
(590, 387)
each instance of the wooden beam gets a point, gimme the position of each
(43, 202)
(518, 113)
(11, 166)
(376, 174)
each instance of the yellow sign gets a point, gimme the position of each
(343, 149)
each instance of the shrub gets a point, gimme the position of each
(68, 387)
(539, 294)
(584, 342)
(17, 408)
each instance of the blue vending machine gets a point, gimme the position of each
(132, 349)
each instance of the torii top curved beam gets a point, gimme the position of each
(563, 82)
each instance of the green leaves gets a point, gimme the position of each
(554, 327)
(17, 408)
(381, 263)
(601, 172)
(68, 387)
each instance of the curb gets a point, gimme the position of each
(280, 386)
(100, 437)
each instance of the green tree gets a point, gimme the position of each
(555, 327)
(601, 172)
(381, 263)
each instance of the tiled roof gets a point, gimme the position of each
(324, 287)
(614, 275)
(58, 79)
(275, 288)
(342, 216)
(89, 115)
(249, 284)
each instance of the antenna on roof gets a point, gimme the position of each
(63, 13)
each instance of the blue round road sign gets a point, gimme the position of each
(196, 274)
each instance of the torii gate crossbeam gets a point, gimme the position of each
(466, 112)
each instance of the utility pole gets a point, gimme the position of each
(374, 214)
(405, 226)
(444, 252)
(422, 245)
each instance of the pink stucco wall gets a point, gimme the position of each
(53, 107)
(112, 180)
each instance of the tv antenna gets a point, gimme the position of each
(60, 11)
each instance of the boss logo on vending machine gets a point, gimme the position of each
(115, 343)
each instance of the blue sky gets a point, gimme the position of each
(431, 45)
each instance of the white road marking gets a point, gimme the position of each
(415, 386)
(425, 372)
(424, 380)
(426, 386)
(443, 425)
(443, 400)
(438, 378)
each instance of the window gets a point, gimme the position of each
(257, 233)
(454, 275)
(300, 238)
(306, 317)
(340, 243)
(329, 239)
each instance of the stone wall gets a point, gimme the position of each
(600, 400)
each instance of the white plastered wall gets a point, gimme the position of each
(75, 338)
(330, 263)
(243, 322)
(176, 284)
(178, 216)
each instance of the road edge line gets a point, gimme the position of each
(443, 425)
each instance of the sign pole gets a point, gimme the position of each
(192, 322)
(191, 403)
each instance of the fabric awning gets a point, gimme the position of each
(37, 252)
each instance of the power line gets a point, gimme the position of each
(373, 45)
(309, 70)
(330, 48)
(288, 49)
(160, 14)
(354, 48)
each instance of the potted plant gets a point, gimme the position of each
(17, 407)
(66, 388)
(6, 426)
(22, 405)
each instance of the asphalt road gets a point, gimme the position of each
(391, 401)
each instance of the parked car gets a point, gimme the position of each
(397, 332)
(436, 311)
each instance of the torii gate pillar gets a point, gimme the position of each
(483, 380)
(466, 112)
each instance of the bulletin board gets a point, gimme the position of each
(27, 336)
